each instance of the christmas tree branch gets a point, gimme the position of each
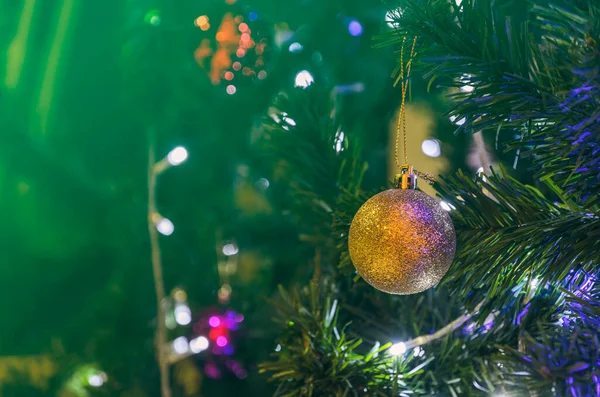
(509, 233)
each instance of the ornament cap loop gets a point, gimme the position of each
(406, 179)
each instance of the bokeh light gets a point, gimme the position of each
(183, 314)
(199, 344)
(355, 28)
(303, 79)
(230, 249)
(295, 47)
(431, 147)
(165, 227)
(222, 341)
(180, 345)
(177, 155)
(397, 349)
(214, 321)
(231, 89)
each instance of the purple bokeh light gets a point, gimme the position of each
(355, 28)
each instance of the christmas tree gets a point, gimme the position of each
(517, 313)
(168, 168)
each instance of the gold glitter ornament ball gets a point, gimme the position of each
(402, 241)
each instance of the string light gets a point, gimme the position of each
(199, 344)
(97, 380)
(355, 28)
(397, 349)
(177, 156)
(180, 345)
(230, 249)
(165, 227)
(183, 314)
(224, 293)
(431, 147)
(214, 321)
(534, 283)
(295, 47)
(418, 351)
(303, 79)
(339, 141)
(263, 184)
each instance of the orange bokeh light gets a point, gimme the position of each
(201, 20)
(243, 27)
(237, 65)
(228, 75)
(240, 52)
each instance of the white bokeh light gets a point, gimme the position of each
(534, 283)
(165, 227)
(339, 141)
(180, 345)
(183, 314)
(391, 16)
(304, 79)
(295, 47)
(230, 249)
(95, 380)
(457, 122)
(177, 155)
(419, 351)
(199, 344)
(397, 349)
(431, 147)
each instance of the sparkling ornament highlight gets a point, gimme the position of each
(401, 241)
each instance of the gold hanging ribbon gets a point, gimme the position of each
(401, 127)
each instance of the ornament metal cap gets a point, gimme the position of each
(406, 179)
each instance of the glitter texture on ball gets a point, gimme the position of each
(401, 241)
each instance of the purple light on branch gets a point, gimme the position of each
(522, 314)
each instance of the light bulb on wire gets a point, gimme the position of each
(397, 349)
(199, 344)
(183, 314)
(165, 227)
(180, 345)
(177, 155)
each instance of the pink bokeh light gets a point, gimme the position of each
(214, 321)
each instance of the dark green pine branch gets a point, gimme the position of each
(316, 357)
(535, 72)
(509, 233)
